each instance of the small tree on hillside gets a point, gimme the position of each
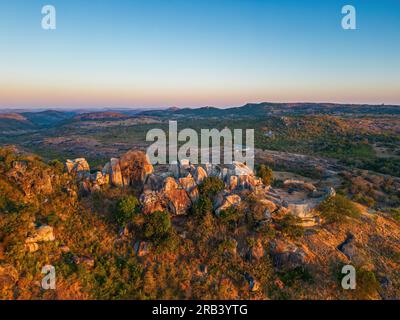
(265, 173)
(126, 208)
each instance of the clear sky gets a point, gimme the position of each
(162, 53)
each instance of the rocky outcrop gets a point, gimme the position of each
(353, 252)
(78, 166)
(135, 167)
(31, 179)
(131, 170)
(229, 201)
(41, 234)
(178, 199)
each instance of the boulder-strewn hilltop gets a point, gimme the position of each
(129, 230)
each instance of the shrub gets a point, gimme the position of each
(338, 208)
(296, 274)
(265, 173)
(289, 226)
(57, 165)
(126, 208)
(229, 215)
(211, 186)
(157, 226)
(202, 207)
(367, 284)
(395, 213)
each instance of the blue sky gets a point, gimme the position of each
(193, 53)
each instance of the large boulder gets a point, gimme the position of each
(189, 184)
(286, 255)
(229, 201)
(78, 166)
(115, 172)
(98, 179)
(199, 174)
(41, 234)
(154, 182)
(257, 250)
(178, 199)
(232, 182)
(152, 201)
(135, 168)
(239, 169)
(248, 182)
(353, 251)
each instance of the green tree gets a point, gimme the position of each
(126, 208)
(211, 186)
(265, 173)
(157, 226)
(338, 208)
(202, 207)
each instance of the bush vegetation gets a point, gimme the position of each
(338, 208)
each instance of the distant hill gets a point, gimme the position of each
(109, 115)
(13, 122)
(253, 110)
(48, 117)
(12, 116)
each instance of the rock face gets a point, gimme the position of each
(41, 234)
